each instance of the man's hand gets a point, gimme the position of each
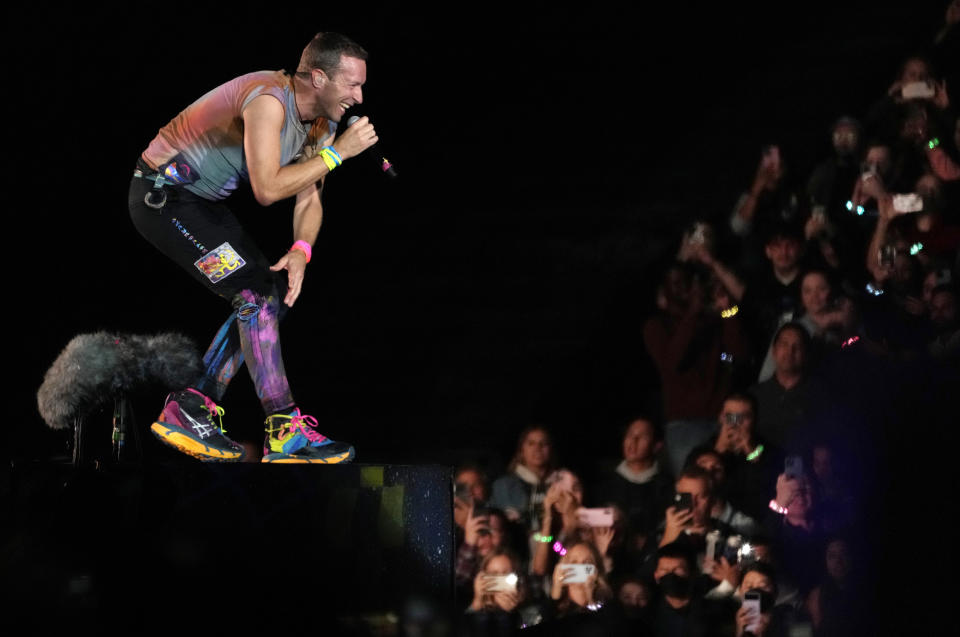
(356, 139)
(677, 521)
(295, 263)
(475, 524)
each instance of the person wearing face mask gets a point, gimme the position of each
(678, 609)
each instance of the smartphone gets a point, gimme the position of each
(501, 583)
(751, 601)
(683, 502)
(793, 466)
(886, 256)
(461, 491)
(731, 548)
(563, 478)
(748, 554)
(578, 573)
(917, 90)
(909, 202)
(733, 419)
(602, 516)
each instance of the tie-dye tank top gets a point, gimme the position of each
(205, 141)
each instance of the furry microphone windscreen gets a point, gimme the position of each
(94, 368)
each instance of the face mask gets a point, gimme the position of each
(674, 585)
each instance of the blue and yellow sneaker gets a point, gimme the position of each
(293, 438)
(187, 424)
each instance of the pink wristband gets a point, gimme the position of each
(777, 508)
(303, 247)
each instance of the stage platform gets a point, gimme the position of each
(238, 544)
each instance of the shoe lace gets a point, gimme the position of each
(212, 408)
(307, 425)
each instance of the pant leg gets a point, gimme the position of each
(205, 239)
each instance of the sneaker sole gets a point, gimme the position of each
(174, 437)
(283, 458)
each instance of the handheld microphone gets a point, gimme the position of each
(385, 166)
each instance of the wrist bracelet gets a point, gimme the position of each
(933, 143)
(755, 453)
(546, 539)
(777, 508)
(730, 311)
(330, 157)
(303, 247)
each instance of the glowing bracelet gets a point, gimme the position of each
(730, 311)
(755, 453)
(777, 508)
(558, 548)
(933, 143)
(303, 247)
(546, 539)
(330, 157)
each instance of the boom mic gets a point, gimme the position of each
(384, 164)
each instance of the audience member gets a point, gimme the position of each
(520, 492)
(639, 486)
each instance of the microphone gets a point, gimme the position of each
(384, 163)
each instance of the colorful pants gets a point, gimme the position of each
(206, 239)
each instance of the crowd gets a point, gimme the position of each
(734, 510)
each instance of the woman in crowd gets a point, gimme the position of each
(520, 492)
(571, 591)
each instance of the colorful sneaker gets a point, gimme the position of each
(294, 438)
(187, 425)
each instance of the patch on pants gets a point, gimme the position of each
(220, 262)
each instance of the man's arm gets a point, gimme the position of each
(263, 120)
(307, 216)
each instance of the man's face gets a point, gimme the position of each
(343, 89)
(701, 500)
(845, 139)
(789, 352)
(943, 308)
(639, 443)
(783, 252)
(814, 293)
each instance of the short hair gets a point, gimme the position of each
(677, 551)
(743, 397)
(700, 451)
(654, 424)
(325, 50)
(797, 327)
(696, 472)
(764, 569)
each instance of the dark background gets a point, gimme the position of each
(548, 157)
